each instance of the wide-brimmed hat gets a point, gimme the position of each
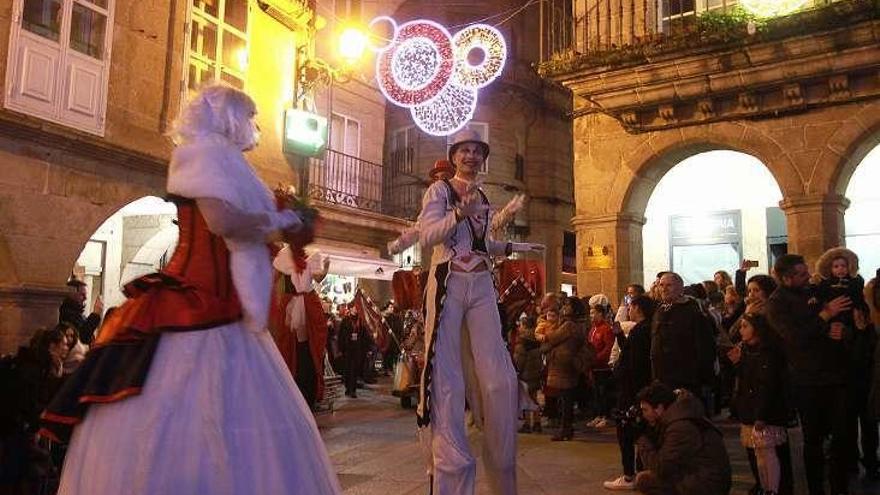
(441, 166)
(467, 136)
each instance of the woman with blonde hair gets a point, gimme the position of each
(184, 390)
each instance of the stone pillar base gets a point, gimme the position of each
(609, 253)
(23, 310)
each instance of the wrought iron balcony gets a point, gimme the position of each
(579, 34)
(346, 180)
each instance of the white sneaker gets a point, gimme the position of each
(621, 484)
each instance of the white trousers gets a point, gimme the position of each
(471, 300)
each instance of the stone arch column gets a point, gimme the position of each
(616, 223)
(49, 207)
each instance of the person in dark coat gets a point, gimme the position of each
(71, 312)
(817, 359)
(529, 366)
(561, 346)
(683, 452)
(761, 404)
(353, 343)
(632, 373)
(28, 381)
(682, 340)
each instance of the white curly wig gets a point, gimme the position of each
(218, 109)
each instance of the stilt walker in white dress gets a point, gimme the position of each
(184, 391)
(461, 295)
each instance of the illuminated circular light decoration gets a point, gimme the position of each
(418, 65)
(772, 8)
(448, 112)
(486, 39)
(432, 73)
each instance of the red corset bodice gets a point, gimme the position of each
(193, 292)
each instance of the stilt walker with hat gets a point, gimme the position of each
(466, 356)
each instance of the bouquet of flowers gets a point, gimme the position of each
(286, 197)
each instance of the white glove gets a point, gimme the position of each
(287, 220)
(526, 247)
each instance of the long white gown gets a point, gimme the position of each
(219, 413)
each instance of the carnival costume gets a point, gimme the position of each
(298, 322)
(184, 391)
(460, 364)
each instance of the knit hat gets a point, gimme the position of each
(599, 300)
(441, 166)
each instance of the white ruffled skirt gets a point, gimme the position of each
(219, 415)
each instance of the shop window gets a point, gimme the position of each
(58, 61)
(218, 42)
(701, 244)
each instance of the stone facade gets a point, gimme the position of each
(58, 184)
(805, 105)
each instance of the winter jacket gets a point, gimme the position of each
(683, 345)
(760, 394)
(813, 358)
(688, 450)
(561, 347)
(71, 313)
(527, 358)
(602, 340)
(632, 371)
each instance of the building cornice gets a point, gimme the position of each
(37, 131)
(753, 81)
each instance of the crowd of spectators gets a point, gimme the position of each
(769, 353)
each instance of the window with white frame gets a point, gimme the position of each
(218, 42)
(482, 129)
(59, 59)
(345, 135)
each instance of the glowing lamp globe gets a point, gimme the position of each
(352, 44)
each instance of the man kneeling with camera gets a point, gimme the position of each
(682, 451)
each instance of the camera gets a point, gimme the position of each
(630, 417)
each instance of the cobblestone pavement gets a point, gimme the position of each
(372, 443)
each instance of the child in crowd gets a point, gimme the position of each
(838, 269)
(761, 406)
(529, 365)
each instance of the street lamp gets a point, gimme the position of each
(307, 134)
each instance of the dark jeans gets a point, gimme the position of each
(306, 379)
(603, 391)
(626, 439)
(862, 427)
(823, 412)
(566, 406)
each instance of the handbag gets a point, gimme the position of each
(403, 374)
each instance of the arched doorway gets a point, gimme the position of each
(709, 212)
(136, 239)
(861, 219)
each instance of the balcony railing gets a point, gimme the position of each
(608, 32)
(347, 180)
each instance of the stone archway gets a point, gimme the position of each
(614, 223)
